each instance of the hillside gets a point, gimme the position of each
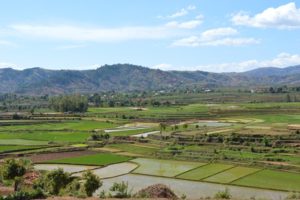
(126, 77)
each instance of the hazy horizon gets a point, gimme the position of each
(97, 67)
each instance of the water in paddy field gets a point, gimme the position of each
(192, 189)
(213, 124)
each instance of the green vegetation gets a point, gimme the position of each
(10, 148)
(233, 138)
(272, 180)
(70, 103)
(131, 148)
(50, 136)
(232, 174)
(92, 183)
(204, 171)
(95, 159)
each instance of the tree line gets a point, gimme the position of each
(69, 103)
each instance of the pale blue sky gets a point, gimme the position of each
(209, 35)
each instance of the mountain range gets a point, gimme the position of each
(126, 77)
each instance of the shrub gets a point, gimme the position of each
(56, 180)
(92, 183)
(223, 194)
(120, 190)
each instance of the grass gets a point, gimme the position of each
(78, 125)
(271, 179)
(166, 168)
(204, 171)
(231, 175)
(22, 142)
(95, 159)
(46, 136)
(9, 148)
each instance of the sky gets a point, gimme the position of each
(207, 35)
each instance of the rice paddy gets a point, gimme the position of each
(101, 159)
(167, 168)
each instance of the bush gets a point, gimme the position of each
(223, 194)
(120, 190)
(56, 180)
(92, 183)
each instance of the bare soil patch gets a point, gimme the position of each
(39, 158)
(6, 190)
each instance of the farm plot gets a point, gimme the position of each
(126, 132)
(22, 142)
(113, 170)
(212, 124)
(53, 136)
(272, 179)
(231, 175)
(192, 189)
(44, 157)
(94, 159)
(167, 168)
(10, 148)
(78, 125)
(66, 168)
(131, 148)
(204, 171)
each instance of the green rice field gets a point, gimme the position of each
(204, 171)
(232, 174)
(272, 180)
(95, 159)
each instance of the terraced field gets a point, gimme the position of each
(232, 174)
(204, 171)
(272, 180)
(167, 168)
(101, 159)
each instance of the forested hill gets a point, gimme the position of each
(126, 77)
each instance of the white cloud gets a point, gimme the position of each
(184, 25)
(179, 13)
(191, 7)
(218, 32)
(215, 37)
(231, 42)
(7, 65)
(77, 33)
(182, 12)
(71, 46)
(283, 17)
(6, 43)
(199, 17)
(280, 61)
(163, 66)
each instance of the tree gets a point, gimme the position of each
(56, 180)
(69, 103)
(14, 169)
(92, 183)
(288, 98)
(162, 127)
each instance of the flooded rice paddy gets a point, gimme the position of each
(192, 190)
(113, 170)
(66, 168)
